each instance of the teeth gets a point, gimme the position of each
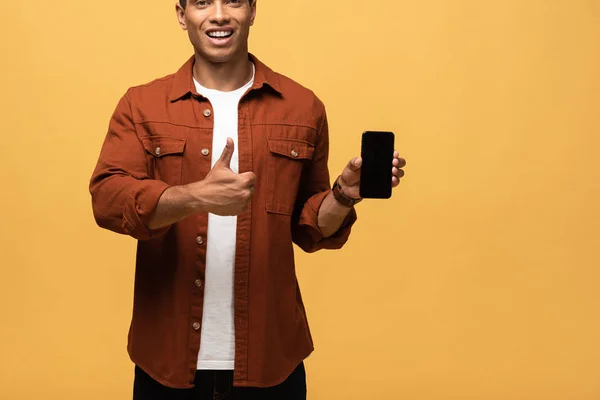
(220, 34)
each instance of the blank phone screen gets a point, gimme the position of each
(377, 153)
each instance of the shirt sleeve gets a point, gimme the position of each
(315, 185)
(123, 195)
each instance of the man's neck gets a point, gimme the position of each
(224, 77)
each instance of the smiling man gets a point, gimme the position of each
(217, 170)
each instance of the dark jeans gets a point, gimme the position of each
(218, 385)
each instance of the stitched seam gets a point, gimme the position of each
(157, 80)
(287, 156)
(170, 123)
(280, 139)
(229, 388)
(283, 124)
(158, 137)
(270, 209)
(300, 158)
(129, 224)
(210, 128)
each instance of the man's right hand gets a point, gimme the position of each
(222, 191)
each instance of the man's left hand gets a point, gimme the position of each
(350, 178)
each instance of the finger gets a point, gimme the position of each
(248, 196)
(399, 162)
(355, 164)
(397, 172)
(225, 159)
(396, 154)
(249, 177)
(395, 181)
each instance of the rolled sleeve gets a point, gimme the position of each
(314, 239)
(143, 200)
(314, 189)
(123, 195)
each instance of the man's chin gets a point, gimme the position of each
(219, 56)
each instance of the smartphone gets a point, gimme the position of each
(377, 153)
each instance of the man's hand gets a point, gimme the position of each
(350, 178)
(222, 191)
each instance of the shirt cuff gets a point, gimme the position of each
(142, 202)
(309, 221)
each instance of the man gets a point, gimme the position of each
(217, 170)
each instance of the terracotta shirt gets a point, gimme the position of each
(160, 135)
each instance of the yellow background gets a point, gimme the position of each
(478, 280)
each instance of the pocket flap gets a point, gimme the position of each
(294, 149)
(160, 146)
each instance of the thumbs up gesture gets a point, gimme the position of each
(223, 192)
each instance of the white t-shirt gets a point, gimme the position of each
(217, 345)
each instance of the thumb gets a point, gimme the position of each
(225, 159)
(355, 164)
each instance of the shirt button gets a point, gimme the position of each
(294, 153)
(207, 113)
(200, 240)
(157, 151)
(205, 152)
(198, 282)
(196, 326)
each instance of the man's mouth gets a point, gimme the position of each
(219, 34)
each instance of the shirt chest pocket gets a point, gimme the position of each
(287, 159)
(165, 158)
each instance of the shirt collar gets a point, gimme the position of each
(183, 82)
